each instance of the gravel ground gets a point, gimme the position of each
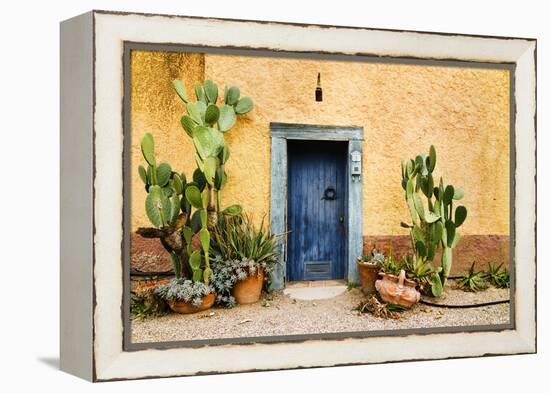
(281, 315)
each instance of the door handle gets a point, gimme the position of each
(341, 219)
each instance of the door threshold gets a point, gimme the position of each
(314, 284)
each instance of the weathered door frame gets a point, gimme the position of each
(280, 134)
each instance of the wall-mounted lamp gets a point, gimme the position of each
(318, 90)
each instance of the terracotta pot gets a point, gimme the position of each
(249, 290)
(183, 307)
(397, 290)
(368, 273)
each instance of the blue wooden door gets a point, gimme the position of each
(316, 206)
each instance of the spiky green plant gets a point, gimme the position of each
(392, 265)
(235, 237)
(434, 221)
(422, 272)
(205, 123)
(241, 250)
(472, 280)
(497, 275)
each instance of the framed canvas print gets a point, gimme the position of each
(246, 195)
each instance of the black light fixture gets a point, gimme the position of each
(318, 89)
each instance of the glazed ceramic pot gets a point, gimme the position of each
(397, 290)
(249, 290)
(368, 273)
(183, 307)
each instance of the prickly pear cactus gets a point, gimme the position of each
(170, 204)
(183, 212)
(206, 121)
(434, 222)
(163, 186)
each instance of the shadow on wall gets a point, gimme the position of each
(480, 249)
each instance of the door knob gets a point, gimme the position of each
(341, 219)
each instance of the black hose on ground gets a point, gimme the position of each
(464, 305)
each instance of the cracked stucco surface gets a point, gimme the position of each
(403, 109)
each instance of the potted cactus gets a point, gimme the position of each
(369, 267)
(434, 222)
(182, 212)
(177, 211)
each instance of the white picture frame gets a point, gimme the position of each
(92, 139)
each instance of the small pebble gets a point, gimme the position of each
(245, 321)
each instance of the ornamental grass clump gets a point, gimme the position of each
(241, 251)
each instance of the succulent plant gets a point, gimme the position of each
(180, 289)
(434, 222)
(182, 211)
(422, 271)
(473, 280)
(177, 210)
(205, 123)
(163, 186)
(497, 275)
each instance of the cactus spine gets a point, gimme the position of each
(434, 223)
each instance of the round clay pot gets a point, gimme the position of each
(368, 273)
(398, 290)
(249, 290)
(183, 307)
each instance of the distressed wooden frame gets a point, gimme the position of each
(92, 274)
(280, 133)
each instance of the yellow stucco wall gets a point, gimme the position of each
(464, 112)
(156, 108)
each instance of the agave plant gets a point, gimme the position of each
(497, 275)
(421, 271)
(205, 122)
(241, 250)
(472, 281)
(392, 265)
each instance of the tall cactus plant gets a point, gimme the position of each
(206, 122)
(177, 210)
(434, 222)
